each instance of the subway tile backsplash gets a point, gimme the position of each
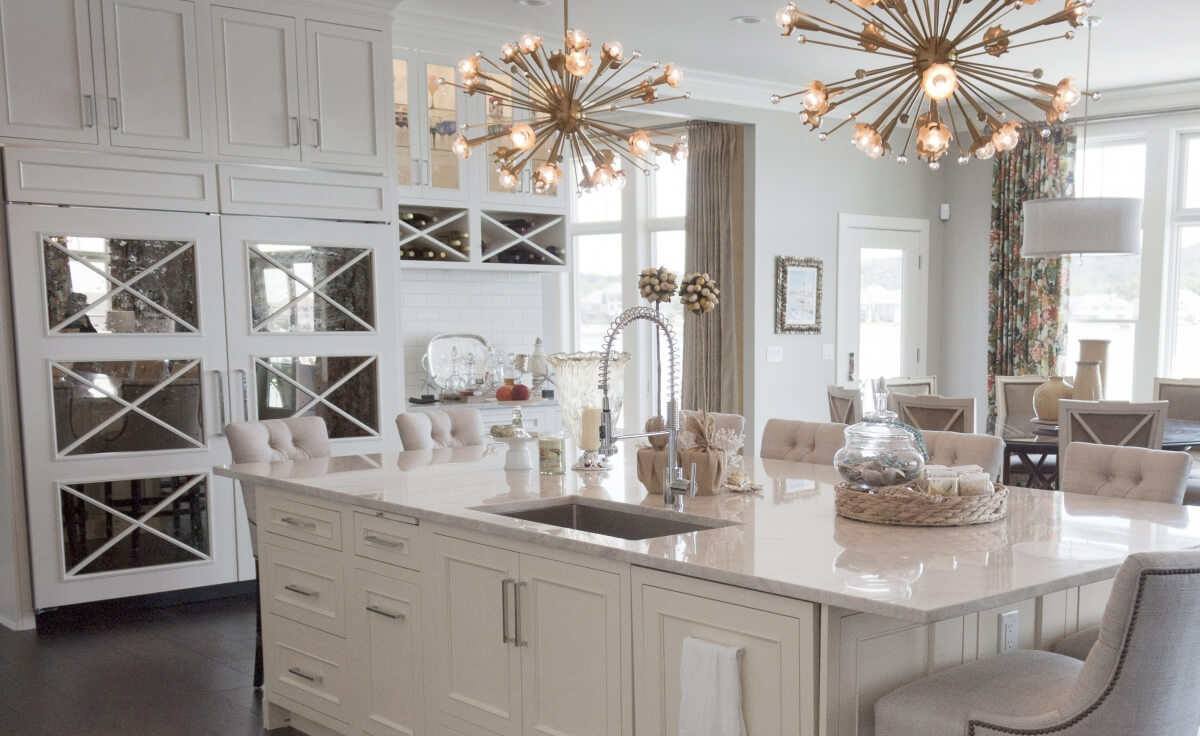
(504, 307)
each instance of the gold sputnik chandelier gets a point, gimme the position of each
(564, 95)
(944, 75)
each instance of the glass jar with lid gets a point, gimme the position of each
(880, 450)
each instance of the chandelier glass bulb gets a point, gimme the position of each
(937, 72)
(558, 101)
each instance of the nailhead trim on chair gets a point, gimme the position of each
(1137, 604)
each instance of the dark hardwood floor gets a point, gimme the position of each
(182, 670)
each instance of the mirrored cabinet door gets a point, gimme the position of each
(306, 301)
(122, 367)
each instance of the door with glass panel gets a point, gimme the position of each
(121, 358)
(304, 304)
(427, 116)
(881, 291)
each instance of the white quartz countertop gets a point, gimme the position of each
(787, 539)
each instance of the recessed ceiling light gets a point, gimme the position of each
(533, 3)
(746, 20)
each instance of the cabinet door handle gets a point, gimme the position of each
(293, 131)
(395, 616)
(504, 637)
(245, 395)
(372, 539)
(301, 591)
(293, 521)
(114, 113)
(517, 614)
(89, 111)
(304, 675)
(317, 129)
(220, 376)
(427, 168)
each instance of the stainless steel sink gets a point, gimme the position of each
(610, 520)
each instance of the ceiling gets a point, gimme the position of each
(1139, 41)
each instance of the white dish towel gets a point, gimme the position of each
(710, 702)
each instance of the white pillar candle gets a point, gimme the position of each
(589, 433)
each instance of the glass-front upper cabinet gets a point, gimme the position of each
(427, 118)
(498, 115)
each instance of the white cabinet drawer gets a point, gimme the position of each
(304, 588)
(385, 539)
(301, 521)
(307, 666)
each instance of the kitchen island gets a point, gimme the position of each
(398, 599)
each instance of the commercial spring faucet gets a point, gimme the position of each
(674, 484)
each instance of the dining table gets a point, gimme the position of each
(1034, 445)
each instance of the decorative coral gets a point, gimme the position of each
(657, 284)
(699, 292)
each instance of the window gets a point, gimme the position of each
(616, 234)
(1103, 290)
(1184, 233)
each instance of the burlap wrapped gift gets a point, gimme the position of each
(700, 433)
(652, 460)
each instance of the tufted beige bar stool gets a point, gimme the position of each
(268, 441)
(1139, 678)
(802, 442)
(436, 430)
(960, 448)
(1126, 472)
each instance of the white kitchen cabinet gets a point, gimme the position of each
(385, 653)
(313, 97)
(426, 122)
(778, 638)
(49, 86)
(152, 74)
(258, 84)
(529, 645)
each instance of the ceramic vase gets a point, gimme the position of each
(1045, 398)
(1097, 350)
(1087, 381)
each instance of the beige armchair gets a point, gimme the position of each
(845, 405)
(937, 413)
(435, 430)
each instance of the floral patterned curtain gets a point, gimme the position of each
(1025, 296)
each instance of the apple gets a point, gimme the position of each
(504, 393)
(520, 392)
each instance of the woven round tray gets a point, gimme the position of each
(904, 506)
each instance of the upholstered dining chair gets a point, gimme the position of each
(272, 440)
(910, 386)
(1184, 397)
(937, 413)
(845, 405)
(802, 442)
(1121, 423)
(437, 429)
(1125, 472)
(1014, 396)
(962, 448)
(1139, 678)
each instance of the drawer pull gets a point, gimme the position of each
(301, 591)
(293, 521)
(380, 541)
(397, 616)
(304, 675)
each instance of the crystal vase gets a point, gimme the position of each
(578, 378)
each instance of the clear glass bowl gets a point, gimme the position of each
(879, 452)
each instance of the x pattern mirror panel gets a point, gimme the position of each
(119, 285)
(311, 288)
(341, 389)
(103, 406)
(113, 525)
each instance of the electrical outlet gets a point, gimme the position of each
(1008, 631)
(774, 353)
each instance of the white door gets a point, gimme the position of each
(121, 357)
(571, 652)
(304, 300)
(258, 95)
(151, 70)
(46, 51)
(474, 659)
(882, 307)
(347, 76)
(385, 621)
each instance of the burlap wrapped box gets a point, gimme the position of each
(700, 437)
(651, 462)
